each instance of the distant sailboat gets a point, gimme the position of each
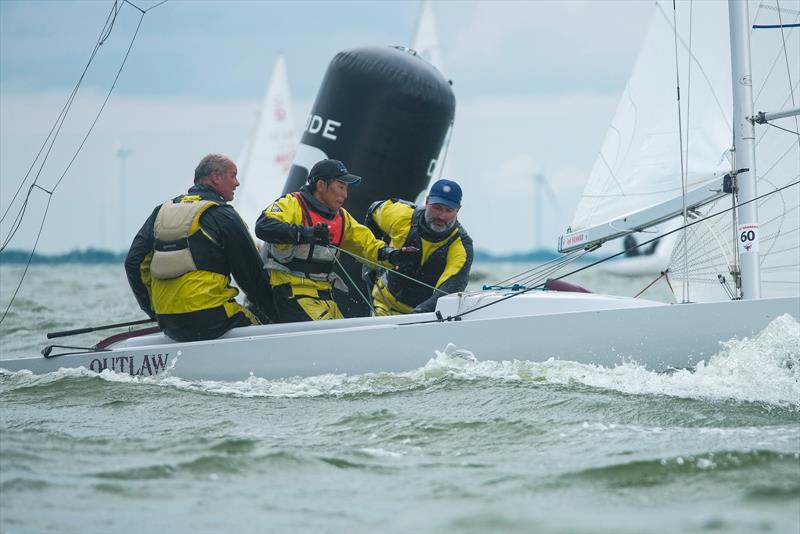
(649, 260)
(426, 40)
(268, 155)
(426, 44)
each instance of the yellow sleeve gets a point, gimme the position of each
(394, 218)
(286, 209)
(456, 259)
(278, 223)
(147, 278)
(359, 240)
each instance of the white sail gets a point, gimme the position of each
(426, 40)
(639, 164)
(426, 44)
(268, 156)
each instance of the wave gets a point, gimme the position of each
(733, 466)
(761, 369)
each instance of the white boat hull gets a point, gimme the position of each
(584, 328)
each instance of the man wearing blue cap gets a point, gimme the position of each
(445, 250)
(299, 230)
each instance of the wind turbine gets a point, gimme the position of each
(540, 187)
(122, 152)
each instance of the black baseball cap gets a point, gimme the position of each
(332, 169)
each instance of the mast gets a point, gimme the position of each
(744, 146)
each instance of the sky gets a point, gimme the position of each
(536, 85)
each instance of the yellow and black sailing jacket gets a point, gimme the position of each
(444, 262)
(305, 264)
(181, 261)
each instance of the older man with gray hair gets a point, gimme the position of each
(180, 263)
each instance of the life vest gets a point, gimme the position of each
(408, 291)
(180, 245)
(307, 259)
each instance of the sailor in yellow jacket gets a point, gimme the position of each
(298, 229)
(181, 261)
(446, 250)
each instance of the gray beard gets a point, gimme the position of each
(449, 226)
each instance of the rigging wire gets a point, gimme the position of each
(398, 273)
(105, 33)
(788, 70)
(571, 256)
(458, 316)
(543, 276)
(540, 272)
(355, 285)
(449, 136)
(774, 63)
(786, 56)
(782, 128)
(680, 126)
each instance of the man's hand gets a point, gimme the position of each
(401, 257)
(317, 234)
(322, 235)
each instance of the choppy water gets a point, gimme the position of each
(460, 445)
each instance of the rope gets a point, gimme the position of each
(369, 302)
(659, 277)
(666, 279)
(362, 259)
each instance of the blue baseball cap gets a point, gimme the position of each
(445, 192)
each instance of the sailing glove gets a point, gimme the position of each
(399, 257)
(317, 234)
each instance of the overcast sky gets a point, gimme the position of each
(536, 85)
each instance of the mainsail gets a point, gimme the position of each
(268, 156)
(639, 164)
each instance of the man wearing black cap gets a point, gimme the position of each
(299, 229)
(446, 250)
